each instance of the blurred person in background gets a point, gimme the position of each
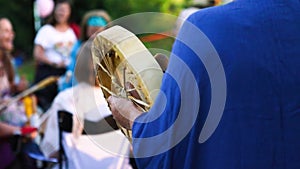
(194, 7)
(85, 100)
(53, 45)
(92, 23)
(7, 36)
(12, 118)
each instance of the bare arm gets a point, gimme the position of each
(7, 130)
(39, 55)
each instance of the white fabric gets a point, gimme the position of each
(226, 1)
(84, 151)
(201, 2)
(95, 152)
(57, 45)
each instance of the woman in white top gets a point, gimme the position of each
(53, 44)
(85, 101)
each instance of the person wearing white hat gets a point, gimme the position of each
(195, 6)
(185, 13)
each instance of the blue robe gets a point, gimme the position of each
(258, 43)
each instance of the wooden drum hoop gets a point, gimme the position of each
(125, 68)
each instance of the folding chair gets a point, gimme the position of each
(39, 156)
(65, 122)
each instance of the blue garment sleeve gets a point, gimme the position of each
(63, 82)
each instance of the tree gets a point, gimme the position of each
(119, 8)
(21, 15)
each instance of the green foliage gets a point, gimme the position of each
(119, 8)
(20, 12)
(27, 70)
(80, 7)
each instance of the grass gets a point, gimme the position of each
(27, 69)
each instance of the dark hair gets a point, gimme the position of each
(5, 59)
(52, 21)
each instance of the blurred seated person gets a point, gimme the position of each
(85, 101)
(14, 114)
(6, 152)
(12, 154)
(12, 118)
(92, 23)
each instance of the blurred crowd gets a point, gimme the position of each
(28, 118)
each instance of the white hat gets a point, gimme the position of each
(226, 1)
(201, 2)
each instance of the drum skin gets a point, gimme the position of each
(125, 68)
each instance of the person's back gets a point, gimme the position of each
(258, 42)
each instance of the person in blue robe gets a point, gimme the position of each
(235, 101)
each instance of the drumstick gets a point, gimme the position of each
(32, 89)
